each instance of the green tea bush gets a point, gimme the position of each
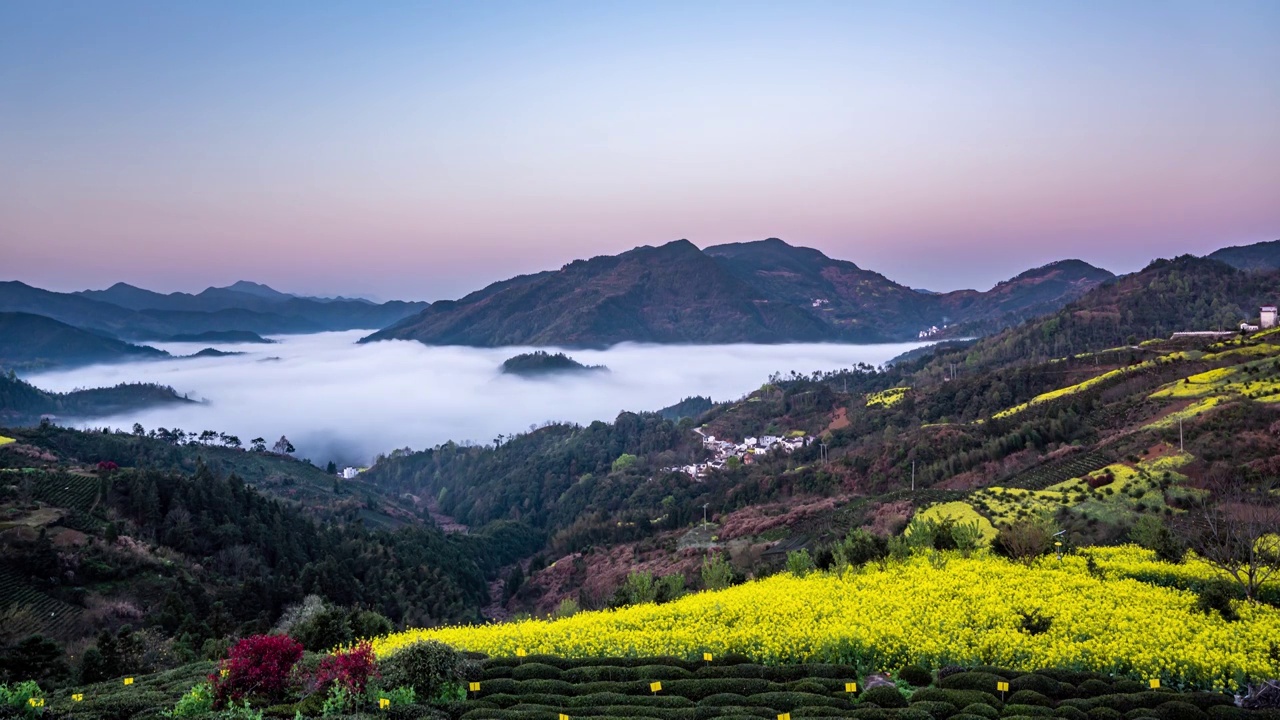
(883, 696)
(916, 675)
(427, 667)
(196, 702)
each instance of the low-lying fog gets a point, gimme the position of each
(338, 400)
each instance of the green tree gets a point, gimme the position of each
(717, 573)
(800, 563)
(624, 461)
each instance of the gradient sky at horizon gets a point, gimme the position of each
(421, 150)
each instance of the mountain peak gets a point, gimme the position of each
(252, 288)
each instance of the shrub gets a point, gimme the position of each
(17, 699)
(1037, 683)
(427, 667)
(1094, 688)
(938, 710)
(985, 682)
(1105, 713)
(350, 670)
(1217, 597)
(1033, 622)
(1179, 710)
(1012, 709)
(1030, 697)
(916, 675)
(717, 574)
(981, 709)
(884, 696)
(259, 664)
(535, 671)
(959, 698)
(568, 607)
(800, 563)
(1066, 712)
(198, 701)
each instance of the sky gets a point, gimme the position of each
(421, 150)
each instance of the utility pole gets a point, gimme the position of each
(913, 476)
(704, 515)
(1181, 447)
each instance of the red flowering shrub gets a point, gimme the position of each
(351, 669)
(257, 665)
(107, 466)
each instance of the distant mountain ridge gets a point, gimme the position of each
(765, 291)
(1258, 257)
(134, 313)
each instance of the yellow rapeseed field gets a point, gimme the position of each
(961, 611)
(5, 440)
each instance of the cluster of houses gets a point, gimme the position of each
(745, 451)
(931, 331)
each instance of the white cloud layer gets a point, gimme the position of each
(338, 400)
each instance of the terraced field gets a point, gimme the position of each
(44, 614)
(73, 491)
(1076, 465)
(551, 688)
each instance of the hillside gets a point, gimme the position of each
(24, 404)
(1263, 256)
(1183, 294)
(765, 291)
(31, 342)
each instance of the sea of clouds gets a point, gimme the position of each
(336, 400)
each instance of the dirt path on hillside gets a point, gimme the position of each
(447, 523)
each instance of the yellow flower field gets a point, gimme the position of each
(966, 612)
(887, 398)
(5, 440)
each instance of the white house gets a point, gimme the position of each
(1249, 328)
(349, 473)
(1268, 316)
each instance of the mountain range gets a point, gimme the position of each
(765, 291)
(132, 313)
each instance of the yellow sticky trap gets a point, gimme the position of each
(35, 702)
(655, 687)
(384, 703)
(1155, 683)
(563, 716)
(520, 652)
(784, 716)
(851, 687)
(78, 697)
(1002, 686)
(706, 657)
(128, 681)
(473, 686)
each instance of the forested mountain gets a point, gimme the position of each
(765, 291)
(24, 404)
(674, 293)
(129, 312)
(202, 556)
(1258, 256)
(29, 342)
(1183, 294)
